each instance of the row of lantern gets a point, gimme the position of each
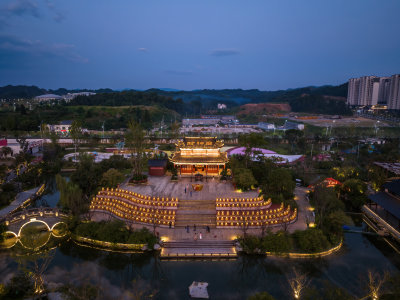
(240, 204)
(128, 207)
(250, 222)
(140, 196)
(142, 217)
(262, 216)
(141, 202)
(261, 198)
(252, 212)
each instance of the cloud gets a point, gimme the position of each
(179, 72)
(23, 7)
(12, 45)
(58, 16)
(224, 52)
(30, 8)
(143, 49)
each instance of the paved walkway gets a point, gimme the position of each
(213, 188)
(19, 199)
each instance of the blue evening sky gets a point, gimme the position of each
(193, 44)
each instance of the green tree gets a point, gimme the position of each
(279, 242)
(87, 176)
(311, 240)
(111, 178)
(5, 151)
(243, 179)
(352, 192)
(261, 296)
(250, 141)
(76, 133)
(333, 225)
(325, 201)
(280, 182)
(293, 136)
(70, 196)
(136, 141)
(377, 176)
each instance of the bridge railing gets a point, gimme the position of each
(34, 212)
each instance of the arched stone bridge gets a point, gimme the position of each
(50, 217)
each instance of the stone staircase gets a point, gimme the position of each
(199, 248)
(196, 212)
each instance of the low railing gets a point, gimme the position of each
(34, 212)
(107, 245)
(307, 255)
(370, 213)
(199, 255)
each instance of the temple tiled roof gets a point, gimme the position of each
(178, 159)
(200, 142)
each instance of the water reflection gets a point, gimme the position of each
(117, 274)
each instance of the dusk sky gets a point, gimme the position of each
(189, 44)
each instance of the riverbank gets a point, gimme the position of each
(107, 246)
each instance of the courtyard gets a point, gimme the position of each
(212, 188)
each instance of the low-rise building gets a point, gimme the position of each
(266, 126)
(64, 127)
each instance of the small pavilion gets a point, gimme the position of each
(199, 155)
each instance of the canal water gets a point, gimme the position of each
(118, 275)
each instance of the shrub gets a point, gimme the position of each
(278, 243)
(250, 243)
(115, 232)
(311, 240)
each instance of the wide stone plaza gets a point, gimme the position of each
(212, 189)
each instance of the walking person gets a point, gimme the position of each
(195, 236)
(190, 193)
(200, 236)
(194, 227)
(185, 189)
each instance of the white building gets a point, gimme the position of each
(64, 127)
(266, 126)
(48, 97)
(221, 106)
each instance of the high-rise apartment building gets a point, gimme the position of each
(353, 91)
(384, 90)
(394, 94)
(373, 90)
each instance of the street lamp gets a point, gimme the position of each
(376, 128)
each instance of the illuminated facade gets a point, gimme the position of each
(199, 155)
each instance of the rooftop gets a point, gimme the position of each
(177, 158)
(391, 167)
(388, 202)
(200, 142)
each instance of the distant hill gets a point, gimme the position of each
(256, 96)
(324, 99)
(20, 91)
(28, 92)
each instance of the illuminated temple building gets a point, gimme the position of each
(199, 155)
